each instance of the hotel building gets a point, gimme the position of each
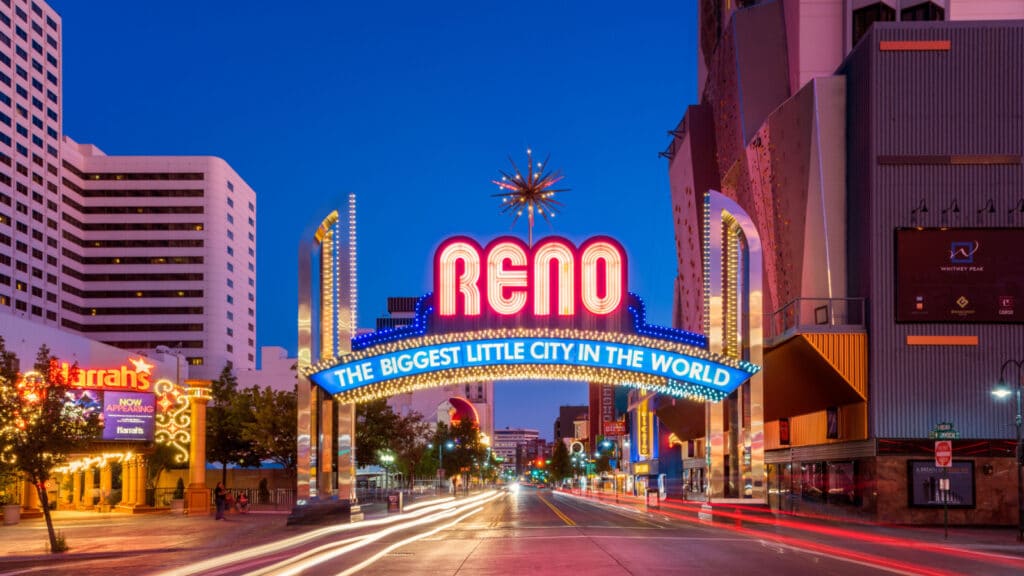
(137, 252)
(845, 196)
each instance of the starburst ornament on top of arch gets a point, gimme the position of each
(532, 192)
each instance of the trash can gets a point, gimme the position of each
(652, 498)
(395, 503)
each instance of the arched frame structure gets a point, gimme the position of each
(733, 295)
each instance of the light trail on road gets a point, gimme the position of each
(420, 514)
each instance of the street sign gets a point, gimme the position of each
(943, 453)
(944, 431)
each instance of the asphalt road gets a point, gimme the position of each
(537, 532)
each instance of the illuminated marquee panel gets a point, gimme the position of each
(554, 278)
(534, 352)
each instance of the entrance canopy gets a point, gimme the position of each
(553, 312)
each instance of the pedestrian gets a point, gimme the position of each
(220, 495)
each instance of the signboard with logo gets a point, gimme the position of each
(960, 275)
(614, 428)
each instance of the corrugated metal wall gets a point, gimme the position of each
(967, 100)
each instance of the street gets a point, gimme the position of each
(529, 531)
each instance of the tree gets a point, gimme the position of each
(379, 430)
(374, 422)
(561, 467)
(269, 425)
(41, 428)
(225, 418)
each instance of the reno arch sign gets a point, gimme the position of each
(554, 278)
(508, 311)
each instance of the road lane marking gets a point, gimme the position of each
(558, 512)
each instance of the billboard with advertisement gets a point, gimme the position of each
(959, 275)
(924, 479)
(123, 415)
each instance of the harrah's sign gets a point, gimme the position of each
(136, 377)
(553, 279)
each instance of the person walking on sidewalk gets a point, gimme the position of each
(220, 495)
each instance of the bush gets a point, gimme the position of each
(179, 489)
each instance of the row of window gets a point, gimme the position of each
(132, 243)
(124, 311)
(148, 327)
(22, 306)
(151, 277)
(132, 209)
(102, 260)
(101, 294)
(132, 226)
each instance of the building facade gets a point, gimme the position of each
(506, 445)
(830, 140)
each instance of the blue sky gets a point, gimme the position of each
(414, 106)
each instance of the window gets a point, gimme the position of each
(864, 17)
(231, 315)
(231, 299)
(231, 219)
(194, 361)
(231, 187)
(231, 283)
(231, 251)
(923, 11)
(230, 348)
(230, 332)
(231, 267)
(231, 202)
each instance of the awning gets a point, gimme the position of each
(814, 371)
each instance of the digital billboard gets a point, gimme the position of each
(960, 275)
(122, 415)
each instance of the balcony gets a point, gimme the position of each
(815, 356)
(814, 315)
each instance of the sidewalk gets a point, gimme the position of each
(113, 534)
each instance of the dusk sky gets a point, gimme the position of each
(413, 106)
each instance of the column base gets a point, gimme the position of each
(323, 511)
(197, 499)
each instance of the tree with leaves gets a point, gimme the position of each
(269, 424)
(42, 428)
(380, 430)
(561, 466)
(224, 422)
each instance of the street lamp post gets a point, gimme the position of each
(1003, 390)
(386, 459)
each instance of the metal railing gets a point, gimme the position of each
(815, 315)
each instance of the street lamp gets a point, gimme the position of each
(440, 457)
(386, 459)
(1001, 391)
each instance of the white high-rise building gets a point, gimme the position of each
(138, 252)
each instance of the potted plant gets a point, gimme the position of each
(10, 497)
(178, 500)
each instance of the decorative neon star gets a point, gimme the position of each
(533, 191)
(141, 366)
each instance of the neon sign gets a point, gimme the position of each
(553, 278)
(530, 351)
(508, 311)
(123, 378)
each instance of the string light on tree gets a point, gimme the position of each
(533, 192)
